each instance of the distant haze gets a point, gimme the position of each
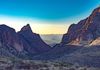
(52, 39)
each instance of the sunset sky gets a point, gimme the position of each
(45, 16)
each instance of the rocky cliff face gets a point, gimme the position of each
(20, 44)
(9, 37)
(85, 31)
(33, 40)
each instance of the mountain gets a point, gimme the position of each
(85, 31)
(33, 39)
(23, 44)
(85, 34)
(80, 45)
(9, 37)
(10, 43)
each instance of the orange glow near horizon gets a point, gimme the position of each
(50, 28)
(37, 26)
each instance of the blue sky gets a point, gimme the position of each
(46, 9)
(49, 11)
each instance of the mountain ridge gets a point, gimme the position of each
(81, 44)
(85, 31)
(22, 42)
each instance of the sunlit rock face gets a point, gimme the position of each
(85, 31)
(95, 42)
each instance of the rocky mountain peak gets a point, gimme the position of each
(97, 9)
(24, 41)
(33, 39)
(85, 31)
(26, 28)
(90, 19)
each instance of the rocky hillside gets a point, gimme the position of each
(85, 32)
(23, 44)
(80, 45)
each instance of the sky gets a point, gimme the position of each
(45, 16)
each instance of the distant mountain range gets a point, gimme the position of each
(52, 39)
(81, 44)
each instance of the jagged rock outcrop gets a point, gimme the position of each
(85, 31)
(23, 44)
(34, 40)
